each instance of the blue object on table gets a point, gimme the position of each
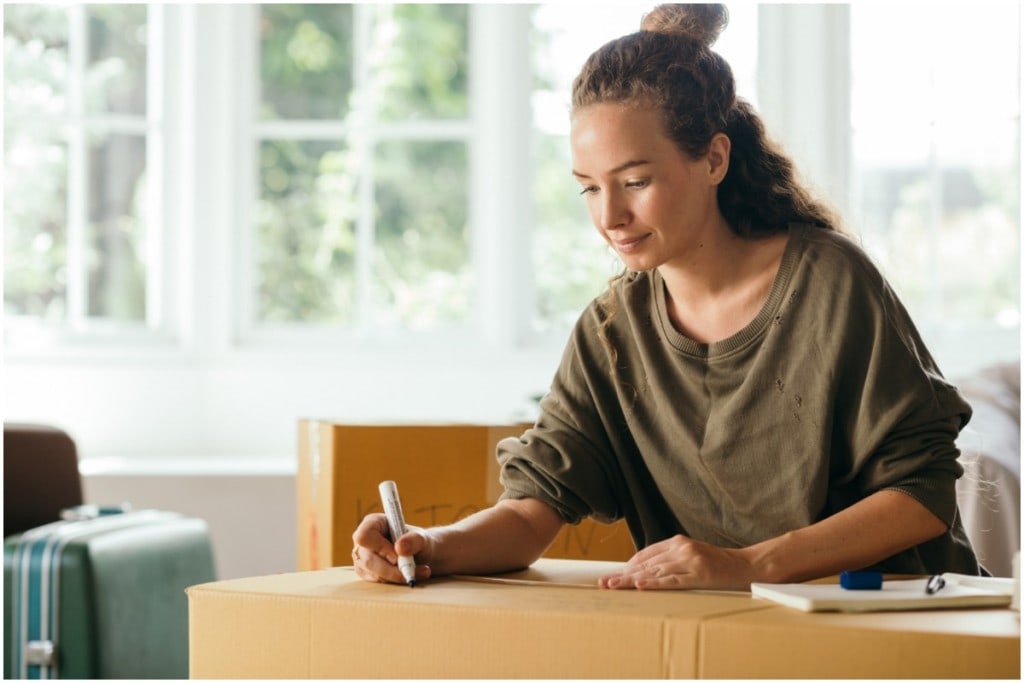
(858, 581)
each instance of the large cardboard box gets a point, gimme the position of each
(330, 624)
(444, 473)
(550, 622)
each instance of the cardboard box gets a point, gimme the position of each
(550, 622)
(331, 624)
(443, 472)
(785, 643)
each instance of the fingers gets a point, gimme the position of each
(412, 543)
(370, 548)
(375, 558)
(657, 573)
(650, 580)
(681, 563)
(372, 534)
(646, 565)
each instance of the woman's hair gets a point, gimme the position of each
(669, 64)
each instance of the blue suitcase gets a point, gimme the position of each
(103, 597)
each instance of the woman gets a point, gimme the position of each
(749, 395)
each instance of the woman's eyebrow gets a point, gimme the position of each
(618, 169)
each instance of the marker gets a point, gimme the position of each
(396, 523)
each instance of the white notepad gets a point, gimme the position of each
(961, 590)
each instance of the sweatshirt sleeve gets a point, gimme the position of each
(566, 459)
(897, 417)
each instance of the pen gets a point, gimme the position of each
(935, 584)
(396, 523)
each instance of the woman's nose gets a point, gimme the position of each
(613, 211)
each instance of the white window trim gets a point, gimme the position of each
(804, 90)
(500, 87)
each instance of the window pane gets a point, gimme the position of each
(35, 161)
(305, 220)
(117, 59)
(75, 191)
(421, 266)
(35, 221)
(936, 154)
(419, 61)
(116, 255)
(35, 61)
(306, 60)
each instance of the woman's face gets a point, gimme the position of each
(651, 202)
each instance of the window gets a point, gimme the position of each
(82, 143)
(228, 216)
(361, 133)
(936, 155)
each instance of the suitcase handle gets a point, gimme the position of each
(39, 653)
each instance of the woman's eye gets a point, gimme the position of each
(637, 183)
(589, 189)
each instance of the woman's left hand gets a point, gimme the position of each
(683, 563)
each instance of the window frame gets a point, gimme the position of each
(252, 333)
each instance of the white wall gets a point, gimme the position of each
(247, 404)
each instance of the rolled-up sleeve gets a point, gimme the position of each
(900, 418)
(566, 459)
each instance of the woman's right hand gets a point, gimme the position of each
(375, 558)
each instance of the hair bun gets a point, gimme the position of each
(702, 22)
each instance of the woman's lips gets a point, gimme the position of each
(629, 244)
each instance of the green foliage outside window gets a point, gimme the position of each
(309, 206)
(39, 117)
(306, 240)
(422, 267)
(306, 61)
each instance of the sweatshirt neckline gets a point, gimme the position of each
(756, 327)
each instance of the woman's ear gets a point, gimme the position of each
(718, 157)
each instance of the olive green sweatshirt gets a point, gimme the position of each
(826, 397)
